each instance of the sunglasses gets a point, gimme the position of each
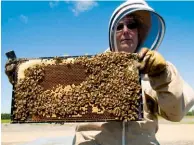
(132, 25)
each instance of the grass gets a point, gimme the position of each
(189, 116)
(5, 121)
(188, 123)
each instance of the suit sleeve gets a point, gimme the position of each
(175, 96)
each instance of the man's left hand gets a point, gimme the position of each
(152, 62)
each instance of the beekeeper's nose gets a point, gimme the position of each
(125, 30)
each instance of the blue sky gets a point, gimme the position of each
(36, 29)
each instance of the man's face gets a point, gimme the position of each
(127, 35)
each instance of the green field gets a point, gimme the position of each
(5, 121)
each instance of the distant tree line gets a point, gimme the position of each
(5, 116)
(190, 113)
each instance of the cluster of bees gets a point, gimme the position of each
(112, 86)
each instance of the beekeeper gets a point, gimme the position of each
(165, 93)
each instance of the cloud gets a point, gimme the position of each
(77, 6)
(67, 1)
(82, 6)
(23, 19)
(54, 3)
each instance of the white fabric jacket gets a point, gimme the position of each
(167, 95)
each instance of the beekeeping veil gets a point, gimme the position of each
(151, 28)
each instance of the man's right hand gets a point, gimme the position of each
(10, 69)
